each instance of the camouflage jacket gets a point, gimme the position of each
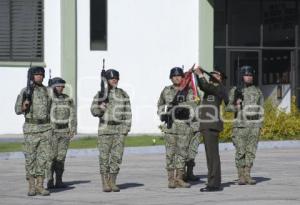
(38, 116)
(178, 126)
(251, 114)
(116, 117)
(63, 114)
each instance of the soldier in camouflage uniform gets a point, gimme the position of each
(177, 134)
(114, 124)
(211, 124)
(63, 120)
(248, 108)
(37, 130)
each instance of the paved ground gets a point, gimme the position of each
(143, 181)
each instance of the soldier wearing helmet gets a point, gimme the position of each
(34, 103)
(64, 123)
(176, 130)
(114, 124)
(246, 101)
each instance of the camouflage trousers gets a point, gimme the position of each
(245, 141)
(59, 143)
(193, 145)
(59, 146)
(176, 150)
(111, 148)
(36, 148)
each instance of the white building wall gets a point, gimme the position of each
(12, 80)
(146, 38)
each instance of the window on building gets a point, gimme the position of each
(220, 23)
(98, 24)
(279, 20)
(276, 66)
(244, 22)
(21, 30)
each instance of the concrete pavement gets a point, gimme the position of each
(143, 181)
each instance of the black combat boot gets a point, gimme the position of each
(59, 170)
(189, 172)
(50, 183)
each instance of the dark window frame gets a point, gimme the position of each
(102, 44)
(295, 70)
(26, 32)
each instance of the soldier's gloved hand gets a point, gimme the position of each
(103, 106)
(25, 105)
(238, 104)
(199, 71)
(164, 117)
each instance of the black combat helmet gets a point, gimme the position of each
(112, 74)
(57, 81)
(247, 70)
(176, 71)
(37, 70)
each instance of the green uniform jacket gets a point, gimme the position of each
(116, 118)
(209, 109)
(63, 114)
(39, 110)
(252, 113)
(166, 97)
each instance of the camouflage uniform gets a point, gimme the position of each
(178, 136)
(64, 123)
(193, 146)
(246, 126)
(114, 125)
(37, 131)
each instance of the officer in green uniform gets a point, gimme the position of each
(246, 101)
(176, 128)
(211, 124)
(114, 115)
(64, 123)
(34, 103)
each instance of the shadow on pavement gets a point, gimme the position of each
(69, 186)
(70, 183)
(227, 184)
(129, 185)
(261, 179)
(56, 190)
(200, 181)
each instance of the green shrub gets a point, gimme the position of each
(278, 125)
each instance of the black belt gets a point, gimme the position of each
(253, 117)
(37, 121)
(61, 126)
(110, 122)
